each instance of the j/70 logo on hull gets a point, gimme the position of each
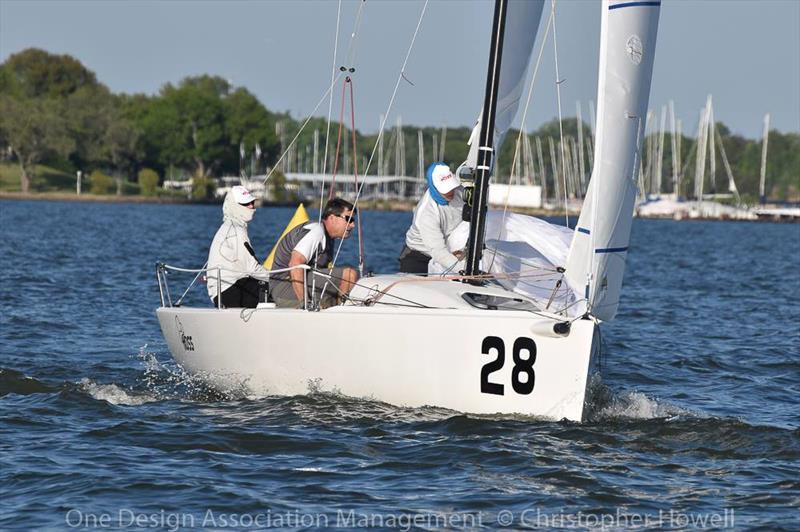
(187, 342)
(522, 375)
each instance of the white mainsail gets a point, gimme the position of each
(522, 23)
(596, 259)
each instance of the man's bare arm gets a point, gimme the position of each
(298, 285)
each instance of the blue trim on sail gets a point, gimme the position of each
(635, 4)
(611, 250)
(583, 230)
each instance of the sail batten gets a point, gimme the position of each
(596, 261)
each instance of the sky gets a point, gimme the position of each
(746, 54)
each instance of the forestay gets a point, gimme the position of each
(596, 260)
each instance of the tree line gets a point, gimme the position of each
(54, 111)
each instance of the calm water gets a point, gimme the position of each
(695, 421)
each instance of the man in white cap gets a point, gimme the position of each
(436, 216)
(232, 253)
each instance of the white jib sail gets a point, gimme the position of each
(522, 23)
(599, 248)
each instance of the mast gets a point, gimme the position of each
(542, 169)
(420, 156)
(477, 226)
(762, 184)
(660, 158)
(700, 156)
(674, 149)
(581, 167)
(712, 150)
(316, 152)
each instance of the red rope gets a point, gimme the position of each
(355, 170)
(338, 139)
(348, 82)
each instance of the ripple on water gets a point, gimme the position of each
(696, 410)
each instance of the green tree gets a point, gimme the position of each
(154, 121)
(203, 187)
(104, 136)
(34, 129)
(247, 121)
(197, 112)
(278, 187)
(35, 73)
(100, 183)
(148, 182)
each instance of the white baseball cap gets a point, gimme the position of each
(443, 179)
(242, 195)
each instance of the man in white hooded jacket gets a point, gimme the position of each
(232, 253)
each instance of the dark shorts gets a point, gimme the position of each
(325, 291)
(244, 293)
(413, 261)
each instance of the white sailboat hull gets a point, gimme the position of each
(444, 357)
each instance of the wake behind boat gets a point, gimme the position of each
(517, 331)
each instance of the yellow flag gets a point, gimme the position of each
(300, 217)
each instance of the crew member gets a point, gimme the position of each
(436, 216)
(313, 244)
(232, 253)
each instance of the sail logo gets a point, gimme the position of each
(187, 342)
(634, 49)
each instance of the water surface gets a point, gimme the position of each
(695, 416)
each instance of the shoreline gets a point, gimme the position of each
(380, 205)
(377, 205)
(92, 198)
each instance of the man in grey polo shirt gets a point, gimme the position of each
(313, 244)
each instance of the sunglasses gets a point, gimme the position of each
(351, 219)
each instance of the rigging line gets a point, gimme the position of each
(352, 48)
(330, 109)
(310, 116)
(531, 276)
(355, 178)
(330, 277)
(522, 261)
(394, 93)
(334, 77)
(348, 82)
(338, 143)
(369, 303)
(178, 302)
(524, 118)
(534, 312)
(560, 125)
(386, 115)
(350, 60)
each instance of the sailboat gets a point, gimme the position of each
(518, 329)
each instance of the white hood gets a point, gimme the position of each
(235, 213)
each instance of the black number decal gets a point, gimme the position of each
(489, 343)
(523, 366)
